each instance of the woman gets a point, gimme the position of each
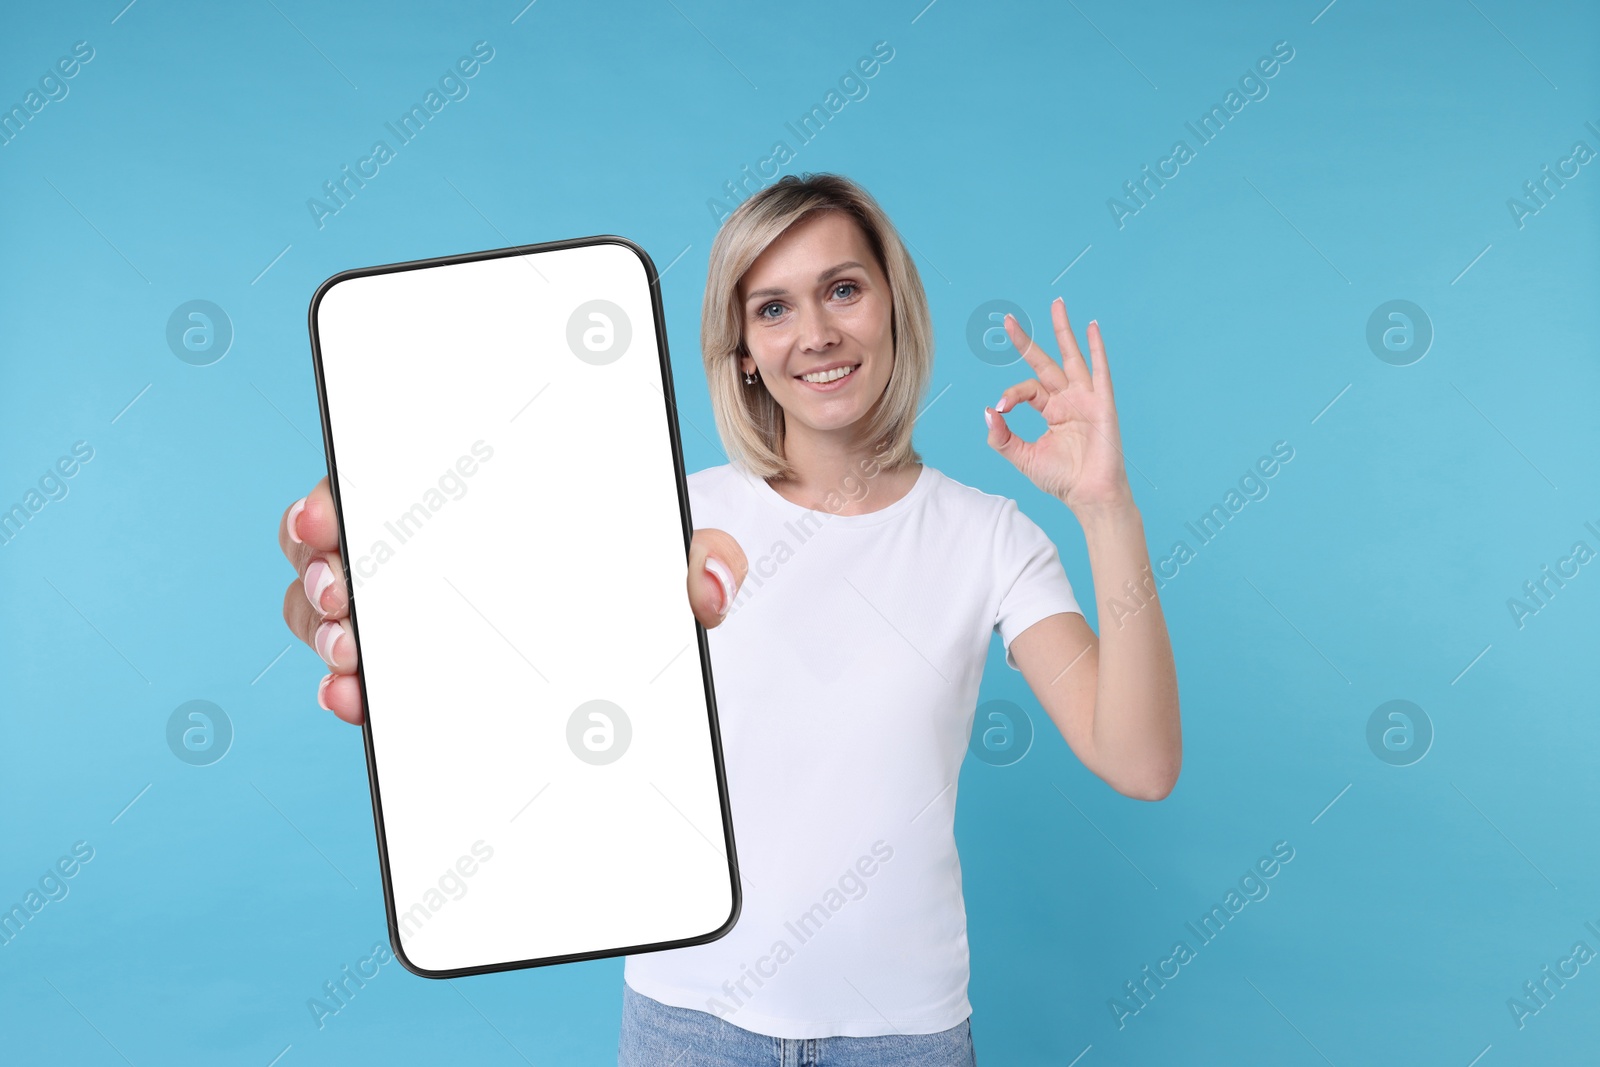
(847, 657)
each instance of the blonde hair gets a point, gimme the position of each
(749, 420)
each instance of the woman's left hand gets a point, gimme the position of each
(1078, 459)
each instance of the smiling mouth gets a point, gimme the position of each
(828, 376)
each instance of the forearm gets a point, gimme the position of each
(1137, 735)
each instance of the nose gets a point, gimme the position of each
(817, 331)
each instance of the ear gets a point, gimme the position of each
(747, 364)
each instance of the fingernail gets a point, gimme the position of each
(989, 417)
(322, 689)
(1095, 323)
(326, 638)
(1000, 405)
(318, 577)
(294, 516)
(719, 570)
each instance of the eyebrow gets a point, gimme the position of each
(824, 276)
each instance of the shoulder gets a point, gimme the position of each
(970, 500)
(997, 522)
(711, 478)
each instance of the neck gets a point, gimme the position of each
(840, 473)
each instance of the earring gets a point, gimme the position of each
(749, 379)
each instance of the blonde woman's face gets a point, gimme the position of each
(816, 300)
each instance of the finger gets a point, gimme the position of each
(297, 613)
(324, 585)
(717, 569)
(1071, 356)
(1051, 376)
(336, 644)
(339, 691)
(1030, 391)
(1002, 440)
(309, 527)
(1097, 358)
(308, 534)
(327, 637)
(341, 694)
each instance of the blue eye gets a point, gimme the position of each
(853, 288)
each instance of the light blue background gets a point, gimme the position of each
(1234, 308)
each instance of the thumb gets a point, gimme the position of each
(717, 569)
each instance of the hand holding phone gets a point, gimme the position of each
(317, 602)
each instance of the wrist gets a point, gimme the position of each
(1115, 506)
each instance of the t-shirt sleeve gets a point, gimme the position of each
(1028, 572)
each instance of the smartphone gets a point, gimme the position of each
(541, 726)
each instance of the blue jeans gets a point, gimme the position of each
(664, 1035)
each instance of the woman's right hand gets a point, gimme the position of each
(309, 536)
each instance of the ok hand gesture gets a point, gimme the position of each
(1078, 459)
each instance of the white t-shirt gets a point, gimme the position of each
(846, 678)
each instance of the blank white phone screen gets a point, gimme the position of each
(541, 723)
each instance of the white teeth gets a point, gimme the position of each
(827, 375)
